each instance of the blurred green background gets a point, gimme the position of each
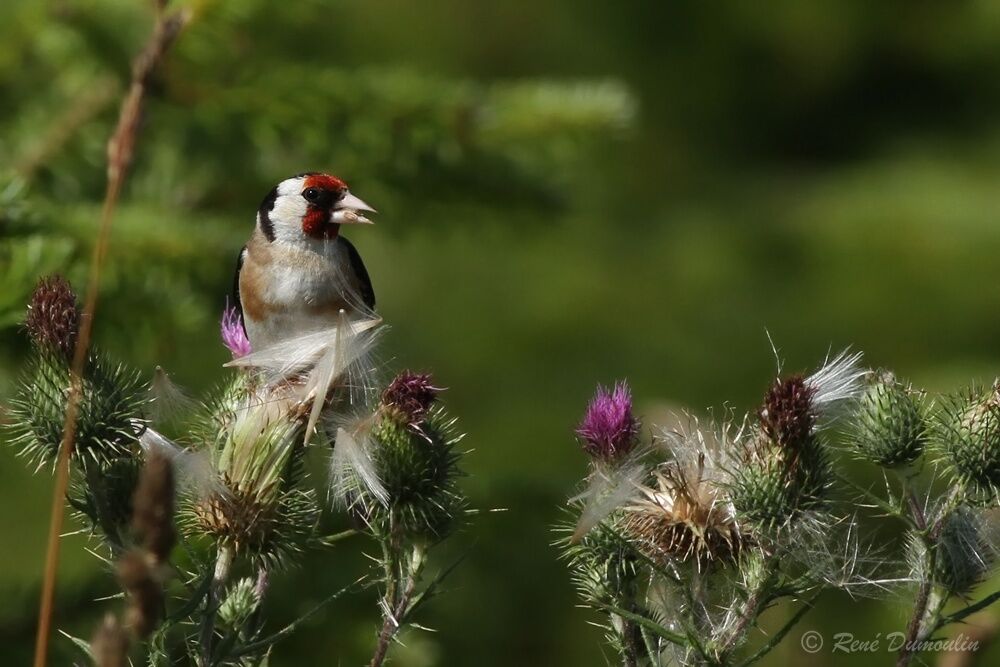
(569, 193)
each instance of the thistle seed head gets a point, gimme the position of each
(53, 319)
(239, 519)
(683, 516)
(609, 430)
(888, 427)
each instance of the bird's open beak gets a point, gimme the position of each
(350, 210)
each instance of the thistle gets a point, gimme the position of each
(113, 396)
(967, 435)
(414, 457)
(608, 430)
(256, 507)
(696, 535)
(965, 553)
(888, 427)
(53, 320)
(234, 337)
(684, 516)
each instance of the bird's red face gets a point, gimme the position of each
(309, 207)
(329, 205)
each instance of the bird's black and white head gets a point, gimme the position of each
(308, 208)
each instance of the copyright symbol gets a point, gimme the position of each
(812, 641)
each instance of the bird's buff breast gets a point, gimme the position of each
(295, 294)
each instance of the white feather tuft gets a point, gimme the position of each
(168, 399)
(194, 469)
(352, 463)
(838, 380)
(607, 490)
(336, 354)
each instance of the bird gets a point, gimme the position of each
(298, 274)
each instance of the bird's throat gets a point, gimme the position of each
(316, 224)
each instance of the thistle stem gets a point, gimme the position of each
(223, 563)
(395, 613)
(757, 599)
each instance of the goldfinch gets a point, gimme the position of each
(298, 274)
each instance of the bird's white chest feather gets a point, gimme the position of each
(302, 292)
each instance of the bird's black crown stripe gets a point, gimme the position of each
(264, 213)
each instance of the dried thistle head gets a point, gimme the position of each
(109, 645)
(609, 430)
(53, 319)
(684, 516)
(411, 395)
(153, 506)
(257, 504)
(144, 592)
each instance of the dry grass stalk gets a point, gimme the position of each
(121, 149)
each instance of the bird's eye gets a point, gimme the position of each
(311, 194)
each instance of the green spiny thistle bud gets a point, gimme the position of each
(968, 434)
(603, 565)
(102, 497)
(417, 465)
(964, 556)
(240, 604)
(112, 401)
(784, 468)
(773, 485)
(53, 319)
(888, 428)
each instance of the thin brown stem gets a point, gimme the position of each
(120, 150)
(395, 614)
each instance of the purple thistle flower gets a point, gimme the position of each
(233, 335)
(609, 430)
(412, 394)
